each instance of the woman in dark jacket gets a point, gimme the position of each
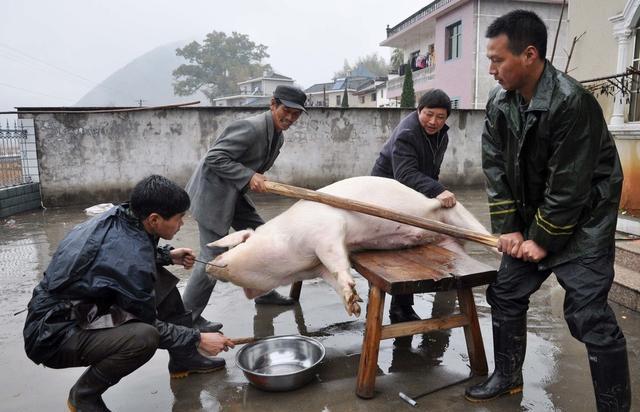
(413, 156)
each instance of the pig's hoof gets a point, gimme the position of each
(355, 309)
(352, 303)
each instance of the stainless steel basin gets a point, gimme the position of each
(280, 363)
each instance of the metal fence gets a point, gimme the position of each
(15, 157)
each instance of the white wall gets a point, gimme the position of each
(93, 158)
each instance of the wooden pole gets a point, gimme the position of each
(555, 41)
(369, 209)
(242, 341)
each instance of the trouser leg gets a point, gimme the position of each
(591, 320)
(116, 352)
(200, 285)
(508, 296)
(246, 216)
(111, 354)
(402, 300)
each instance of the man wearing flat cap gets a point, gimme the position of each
(234, 164)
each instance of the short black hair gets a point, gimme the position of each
(434, 98)
(157, 194)
(523, 28)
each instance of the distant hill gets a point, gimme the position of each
(148, 77)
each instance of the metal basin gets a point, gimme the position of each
(280, 363)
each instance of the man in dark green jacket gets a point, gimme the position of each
(554, 181)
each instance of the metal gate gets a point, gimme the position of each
(13, 159)
(19, 179)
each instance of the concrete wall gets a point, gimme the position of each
(92, 158)
(596, 53)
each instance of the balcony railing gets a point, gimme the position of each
(416, 16)
(419, 77)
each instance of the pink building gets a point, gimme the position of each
(444, 43)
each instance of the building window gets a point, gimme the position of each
(453, 39)
(361, 99)
(455, 103)
(373, 97)
(634, 105)
(338, 100)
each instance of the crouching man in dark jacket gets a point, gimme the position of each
(106, 302)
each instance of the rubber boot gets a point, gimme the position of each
(204, 325)
(274, 298)
(610, 376)
(183, 362)
(402, 313)
(401, 309)
(86, 394)
(509, 347)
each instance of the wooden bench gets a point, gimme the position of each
(420, 269)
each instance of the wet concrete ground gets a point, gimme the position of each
(556, 371)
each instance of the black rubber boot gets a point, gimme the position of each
(206, 326)
(184, 363)
(402, 313)
(86, 394)
(274, 298)
(610, 375)
(509, 347)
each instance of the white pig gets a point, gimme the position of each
(311, 239)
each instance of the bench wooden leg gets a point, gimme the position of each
(294, 292)
(366, 381)
(472, 334)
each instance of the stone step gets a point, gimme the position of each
(626, 288)
(628, 224)
(628, 254)
(626, 284)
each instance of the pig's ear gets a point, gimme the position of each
(233, 239)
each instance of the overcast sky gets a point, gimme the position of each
(53, 52)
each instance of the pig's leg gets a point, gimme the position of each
(332, 280)
(314, 272)
(253, 293)
(335, 259)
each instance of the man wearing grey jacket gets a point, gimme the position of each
(234, 164)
